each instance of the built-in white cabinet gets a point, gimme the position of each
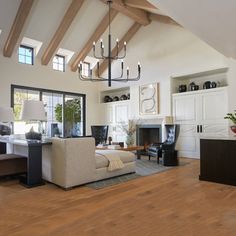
(199, 113)
(117, 113)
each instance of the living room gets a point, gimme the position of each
(174, 48)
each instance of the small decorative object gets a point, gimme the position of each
(128, 96)
(33, 135)
(232, 117)
(121, 144)
(107, 99)
(207, 85)
(115, 99)
(123, 97)
(213, 84)
(182, 88)
(193, 86)
(130, 130)
(149, 99)
(109, 140)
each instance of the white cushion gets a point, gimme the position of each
(125, 157)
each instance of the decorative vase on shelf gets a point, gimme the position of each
(129, 140)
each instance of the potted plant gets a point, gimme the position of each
(72, 116)
(232, 117)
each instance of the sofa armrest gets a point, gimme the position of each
(72, 161)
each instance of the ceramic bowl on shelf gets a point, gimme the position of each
(115, 99)
(123, 97)
(107, 99)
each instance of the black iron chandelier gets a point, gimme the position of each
(109, 58)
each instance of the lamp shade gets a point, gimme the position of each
(168, 120)
(6, 114)
(33, 111)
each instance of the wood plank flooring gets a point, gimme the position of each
(171, 203)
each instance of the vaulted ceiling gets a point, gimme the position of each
(211, 20)
(71, 24)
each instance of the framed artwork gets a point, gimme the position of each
(149, 99)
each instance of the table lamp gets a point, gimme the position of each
(33, 111)
(6, 116)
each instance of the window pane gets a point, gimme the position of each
(61, 68)
(25, 55)
(28, 52)
(21, 59)
(59, 63)
(21, 51)
(55, 66)
(73, 115)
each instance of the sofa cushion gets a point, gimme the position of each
(125, 157)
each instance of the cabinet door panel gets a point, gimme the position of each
(186, 130)
(214, 107)
(122, 114)
(215, 130)
(109, 114)
(185, 109)
(186, 143)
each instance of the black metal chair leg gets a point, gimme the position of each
(149, 157)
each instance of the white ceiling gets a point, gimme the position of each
(46, 15)
(211, 20)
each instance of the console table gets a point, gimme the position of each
(218, 160)
(34, 158)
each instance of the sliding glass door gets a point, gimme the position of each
(65, 111)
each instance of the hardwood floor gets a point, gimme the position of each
(171, 203)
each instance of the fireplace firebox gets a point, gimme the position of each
(147, 134)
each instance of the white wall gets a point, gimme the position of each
(165, 51)
(232, 83)
(12, 72)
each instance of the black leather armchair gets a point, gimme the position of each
(99, 132)
(166, 148)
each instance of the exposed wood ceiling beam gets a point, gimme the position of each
(143, 4)
(138, 15)
(61, 30)
(17, 26)
(94, 38)
(162, 19)
(126, 38)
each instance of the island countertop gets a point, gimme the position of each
(230, 137)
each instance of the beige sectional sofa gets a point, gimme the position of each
(71, 162)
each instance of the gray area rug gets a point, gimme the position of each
(144, 167)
